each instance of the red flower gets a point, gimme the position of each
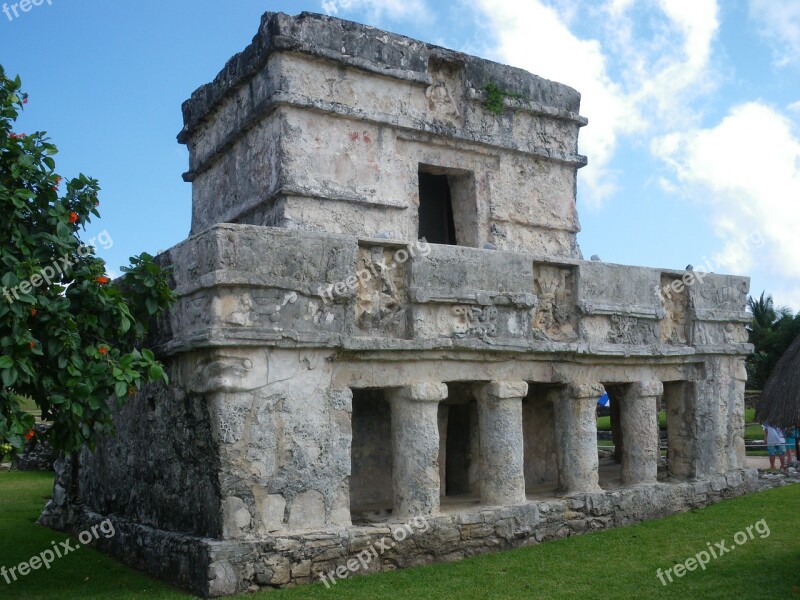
(73, 218)
(33, 312)
(102, 280)
(102, 350)
(131, 391)
(29, 436)
(32, 344)
(24, 100)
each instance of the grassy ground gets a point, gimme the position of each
(619, 563)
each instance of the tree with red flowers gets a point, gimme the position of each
(70, 338)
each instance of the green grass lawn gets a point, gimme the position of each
(619, 563)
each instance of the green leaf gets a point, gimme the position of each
(9, 377)
(6, 362)
(121, 389)
(156, 373)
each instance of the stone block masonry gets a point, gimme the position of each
(312, 410)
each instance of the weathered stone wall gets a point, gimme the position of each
(225, 567)
(261, 284)
(302, 141)
(162, 468)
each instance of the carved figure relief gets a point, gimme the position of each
(674, 325)
(709, 334)
(242, 315)
(440, 100)
(631, 330)
(731, 297)
(475, 321)
(734, 333)
(554, 316)
(273, 311)
(380, 291)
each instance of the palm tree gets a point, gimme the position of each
(765, 315)
(771, 331)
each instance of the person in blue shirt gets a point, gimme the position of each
(776, 444)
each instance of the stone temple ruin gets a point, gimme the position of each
(334, 375)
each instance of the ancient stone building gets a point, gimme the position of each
(334, 375)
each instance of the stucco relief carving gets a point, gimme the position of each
(554, 315)
(631, 330)
(674, 325)
(709, 334)
(230, 372)
(731, 297)
(381, 296)
(242, 315)
(440, 100)
(475, 321)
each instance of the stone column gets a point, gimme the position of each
(502, 452)
(639, 420)
(415, 447)
(576, 438)
(681, 441)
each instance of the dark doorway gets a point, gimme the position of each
(371, 455)
(459, 426)
(436, 210)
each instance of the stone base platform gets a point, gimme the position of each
(214, 567)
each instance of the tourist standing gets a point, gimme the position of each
(776, 444)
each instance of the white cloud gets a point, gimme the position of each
(632, 80)
(794, 107)
(779, 24)
(376, 10)
(747, 170)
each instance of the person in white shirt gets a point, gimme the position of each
(776, 444)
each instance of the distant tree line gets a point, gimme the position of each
(772, 330)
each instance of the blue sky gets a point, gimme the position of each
(694, 110)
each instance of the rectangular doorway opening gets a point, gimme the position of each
(458, 459)
(436, 224)
(459, 447)
(539, 441)
(611, 437)
(371, 456)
